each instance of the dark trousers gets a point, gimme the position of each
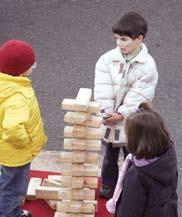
(110, 168)
(13, 189)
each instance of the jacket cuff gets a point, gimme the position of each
(123, 112)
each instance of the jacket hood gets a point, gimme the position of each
(164, 169)
(9, 85)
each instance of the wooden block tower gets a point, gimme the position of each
(79, 165)
(72, 194)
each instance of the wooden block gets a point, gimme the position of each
(76, 117)
(79, 131)
(52, 204)
(51, 183)
(91, 170)
(75, 144)
(91, 157)
(82, 144)
(90, 182)
(79, 157)
(60, 214)
(69, 104)
(67, 206)
(79, 182)
(83, 99)
(56, 178)
(33, 184)
(72, 182)
(87, 202)
(94, 121)
(82, 194)
(83, 118)
(53, 193)
(76, 182)
(68, 169)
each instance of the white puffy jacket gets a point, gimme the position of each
(121, 86)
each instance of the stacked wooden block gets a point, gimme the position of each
(73, 193)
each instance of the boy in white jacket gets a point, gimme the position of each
(124, 77)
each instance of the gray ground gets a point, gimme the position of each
(69, 36)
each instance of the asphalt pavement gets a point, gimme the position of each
(70, 35)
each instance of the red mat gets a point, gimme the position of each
(39, 208)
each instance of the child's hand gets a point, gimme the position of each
(106, 116)
(111, 206)
(113, 118)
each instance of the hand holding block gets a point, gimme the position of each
(83, 99)
(83, 119)
(69, 104)
(68, 169)
(79, 131)
(60, 214)
(79, 157)
(82, 144)
(67, 206)
(33, 184)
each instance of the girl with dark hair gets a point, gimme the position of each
(147, 183)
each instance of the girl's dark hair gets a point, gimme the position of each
(147, 136)
(131, 24)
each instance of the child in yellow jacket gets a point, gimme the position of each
(21, 128)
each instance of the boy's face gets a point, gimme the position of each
(29, 71)
(127, 44)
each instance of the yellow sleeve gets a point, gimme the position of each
(16, 114)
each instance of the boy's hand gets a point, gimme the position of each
(112, 119)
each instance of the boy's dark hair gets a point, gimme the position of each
(147, 136)
(131, 24)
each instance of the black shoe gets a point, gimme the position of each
(26, 213)
(106, 191)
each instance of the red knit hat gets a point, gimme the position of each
(16, 57)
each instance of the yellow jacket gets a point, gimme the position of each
(21, 128)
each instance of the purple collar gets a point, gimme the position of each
(143, 162)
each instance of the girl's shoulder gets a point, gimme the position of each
(135, 177)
